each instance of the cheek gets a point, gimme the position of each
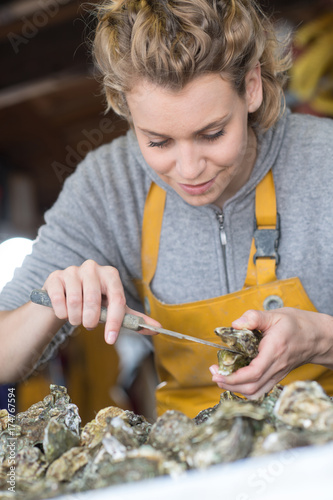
(157, 160)
(235, 148)
(228, 154)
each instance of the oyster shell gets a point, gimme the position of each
(30, 464)
(65, 467)
(230, 396)
(136, 425)
(213, 444)
(170, 432)
(305, 405)
(58, 439)
(244, 341)
(286, 439)
(229, 362)
(227, 435)
(205, 414)
(3, 420)
(135, 466)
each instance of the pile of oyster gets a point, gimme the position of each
(46, 453)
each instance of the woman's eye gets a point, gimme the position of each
(213, 137)
(152, 144)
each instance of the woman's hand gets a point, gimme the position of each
(291, 337)
(77, 294)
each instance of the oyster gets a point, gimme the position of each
(305, 405)
(229, 362)
(30, 464)
(217, 441)
(3, 420)
(127, 423)
(225, 436)
(114, 447)
(268, 402)
(286, 439)
(125, 433)
(244, 341)
(170, 431)
(103, 471)
(73, 460)
(205, 414)
(28, 467)
(58, 439)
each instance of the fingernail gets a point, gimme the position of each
(111, 337)
(213, 370)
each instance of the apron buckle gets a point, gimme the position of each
(267, 242)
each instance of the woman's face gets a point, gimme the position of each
(198, 140)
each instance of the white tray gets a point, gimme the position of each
(300, 473)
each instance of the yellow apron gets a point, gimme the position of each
(182, 366)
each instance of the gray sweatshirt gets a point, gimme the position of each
(98, 216)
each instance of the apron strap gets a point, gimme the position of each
(151, 230)
(263, 256)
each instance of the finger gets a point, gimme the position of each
(253, 319)
(113, 290)
(73, 288)
(254, 390)
(92, 299)
(247, 382)
(214, 370)
(55, 288)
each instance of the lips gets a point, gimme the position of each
(195, 189)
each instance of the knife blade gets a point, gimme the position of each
(131, 321)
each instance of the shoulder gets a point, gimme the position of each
(115, 167)
(303, 167)
(306, 145)
(309, 132)
(122, 155)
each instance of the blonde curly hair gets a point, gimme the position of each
(171, 42)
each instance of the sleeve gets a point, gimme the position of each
(84, 223)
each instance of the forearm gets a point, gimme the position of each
(24, 334)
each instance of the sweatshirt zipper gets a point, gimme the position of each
(223, 239)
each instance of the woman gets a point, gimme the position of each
(210, 209)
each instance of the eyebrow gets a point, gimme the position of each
(219, 122)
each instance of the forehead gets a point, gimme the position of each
(204, 84)
(206, 95)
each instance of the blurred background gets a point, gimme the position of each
(52, 114)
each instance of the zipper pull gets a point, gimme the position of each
(223, 236)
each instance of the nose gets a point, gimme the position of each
(190, 164)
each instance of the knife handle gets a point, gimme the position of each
(130, 321)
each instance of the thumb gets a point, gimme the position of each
(253, 319)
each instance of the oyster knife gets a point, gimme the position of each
(131, 321)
